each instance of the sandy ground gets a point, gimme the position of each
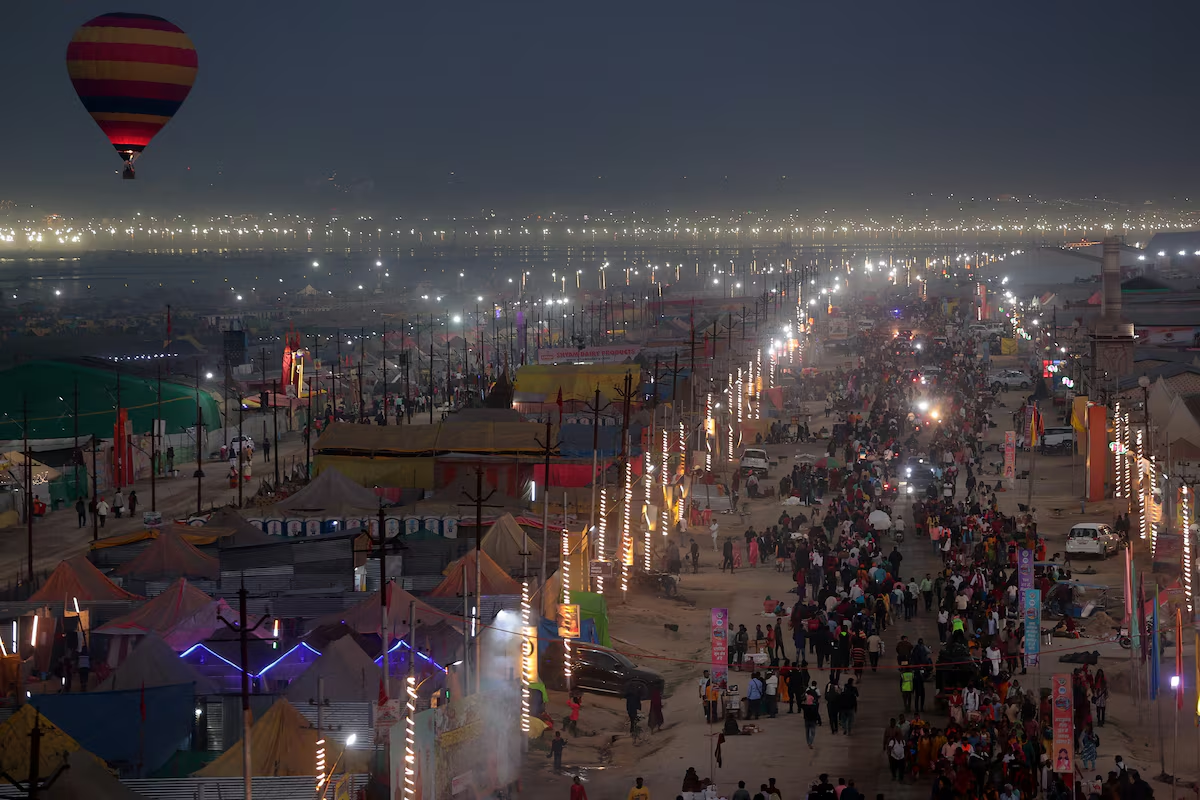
(1133, 728)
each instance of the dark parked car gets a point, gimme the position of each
(598, 669)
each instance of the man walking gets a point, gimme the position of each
(266, 449)
(118, 504)
(81, 510)
(102, 511)
(812, 714)
(754, 694)
(727, 553)
(874, 649)
(906, 685)
(695, 553)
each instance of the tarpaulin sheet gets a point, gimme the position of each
(564, 476)
(462, 437)
(505, 542)
(593, 606)
(575, 441)
(110, 724)
(541, 383)
(412, 473)
(548, 632)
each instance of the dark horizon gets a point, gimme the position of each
(458, 111)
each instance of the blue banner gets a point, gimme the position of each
(1033, 626)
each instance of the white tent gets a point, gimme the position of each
(153, 663)
(505, 541)
(351, 676)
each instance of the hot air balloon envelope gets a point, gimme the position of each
(132, 72)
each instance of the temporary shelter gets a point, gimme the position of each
(182, 615)
(86, 777)
(13, 462)
(245, 534)
(351, 676)
(504, 543)
(438, 634)
(284, 744)
(492, 578)
(77, 579)
(136, 730)
(331, 494)
(170, 556)
(152, 664)
(55, 745)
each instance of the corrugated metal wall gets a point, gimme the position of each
(287, 788)
(343, 719)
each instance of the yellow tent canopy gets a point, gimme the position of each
(14, 461)
(284, 744)
(14, 744)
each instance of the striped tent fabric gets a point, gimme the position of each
(132, 72)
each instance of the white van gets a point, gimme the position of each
(1092, 538)
(1058, 438)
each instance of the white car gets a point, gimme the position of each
(1009, 379)
(1092, 538)
(755, 461)
(235, 445)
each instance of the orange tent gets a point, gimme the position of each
(462, 572)
(78, 579)
(171, 556)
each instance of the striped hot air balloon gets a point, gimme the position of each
(132, 72)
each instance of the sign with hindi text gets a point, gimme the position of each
(719, 673)
(1064, 723)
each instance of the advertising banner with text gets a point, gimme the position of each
(614, 354)
(719, 673)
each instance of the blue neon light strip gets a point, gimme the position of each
(305, 645)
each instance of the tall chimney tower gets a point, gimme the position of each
(1112, 335)
(1110, 276)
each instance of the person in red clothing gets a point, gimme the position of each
(577, 790)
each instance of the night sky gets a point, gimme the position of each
(457, 107)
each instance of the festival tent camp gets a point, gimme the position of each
(55, 745)
(460, 573)
(505, 541)
(182, 615)
(86, 777)
(284, 744)
(168, 557)
(245, 534)
(438, 634)
(78, 579)
(331, 494)
(152, 664)
(351, 676)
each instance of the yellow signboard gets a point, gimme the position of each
(568, 621)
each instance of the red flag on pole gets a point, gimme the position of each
(560, 405)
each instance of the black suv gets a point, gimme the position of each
(597, 669)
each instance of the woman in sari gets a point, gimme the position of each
(655, 720)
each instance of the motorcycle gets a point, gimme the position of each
(1126, 641)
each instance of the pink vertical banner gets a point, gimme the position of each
(1010, 455)
(719, 671)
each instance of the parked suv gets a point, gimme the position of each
(755, 461)
(1009, 379)
(598, 669)
(1092, 538)
(1062, 438)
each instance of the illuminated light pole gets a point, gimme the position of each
(601, 530)
(729, 414)
(1141, 489)
(1189, 566)
(664, 459)
(526, 676)
(410, 706)
(708, 430)
(626, 535)
(564, 580)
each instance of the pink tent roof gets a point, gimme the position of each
(366, 616)
(161, 614)
(171, 556)
(78, 579)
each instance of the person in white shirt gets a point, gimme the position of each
(943, 623)
(772, 694)
(993, 655)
